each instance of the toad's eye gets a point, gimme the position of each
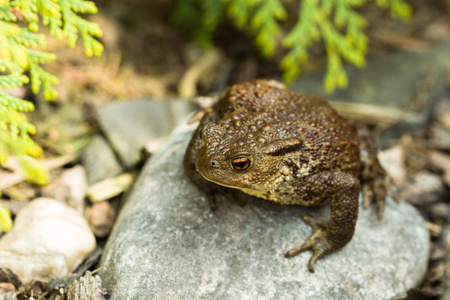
(241, 163)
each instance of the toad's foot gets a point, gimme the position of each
(318, 242)
(212, 198)
(212, 202)
(374, 191)
(233, 197)
(338, 231)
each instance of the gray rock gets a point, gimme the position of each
(64, 123)
(100, 160)
(8, 296)
(395, 80)
(49, 239)
(390, 80)
(168, 244)
(129, 125)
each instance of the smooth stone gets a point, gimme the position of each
(101, 217)
(167, 243)
(129, 125)
(75, 179)
(49, 239)
(100, 160)
(70, 187)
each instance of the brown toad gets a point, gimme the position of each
(279, 145)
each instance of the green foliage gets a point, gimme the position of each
(21, 50)
(201, 17)
(335, 22)
(5, 219)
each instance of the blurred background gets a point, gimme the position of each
(162, 59)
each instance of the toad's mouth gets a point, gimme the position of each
(250, 190)
(227, 185)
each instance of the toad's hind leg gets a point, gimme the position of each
(330, 236)
(374, 179)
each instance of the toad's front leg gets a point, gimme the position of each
(343, 192)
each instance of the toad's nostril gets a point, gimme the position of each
(214, 163)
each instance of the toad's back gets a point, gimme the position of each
(261, 112)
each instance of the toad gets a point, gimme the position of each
(294, 149)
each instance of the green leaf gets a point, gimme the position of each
(202, 18)
(382, 3)
(34, 172)
(83, 6)
(239, 10)
(39, 57)
(341, 29)
(30, 39)
(50, 9)
(5, 219)
(299, 40)
(13, 80)
(19, 53)
(264, 24)
(5, 12)
(3, 154)
(92, 47)
(15, 104)
(33, 26)
(400, 9)
(38, 77)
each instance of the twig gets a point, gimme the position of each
(187, 86)
(50, 164)
(372, 114)
(110, 187)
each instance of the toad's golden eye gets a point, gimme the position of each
(241, 163)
